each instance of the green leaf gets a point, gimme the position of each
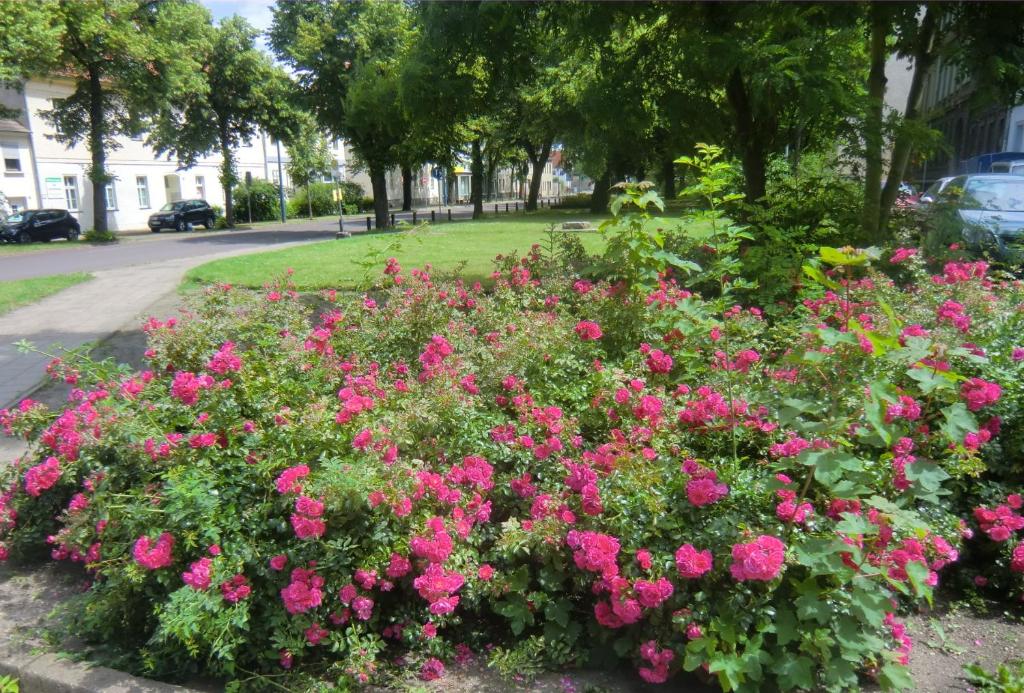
(785, 627)
(817, 275)
(795, 672)
(559, 612)
(871, 604)
(518, 581)
(809, 607)
(959, 422)
(838, 258)
(895, 677)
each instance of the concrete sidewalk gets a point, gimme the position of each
(86, 313)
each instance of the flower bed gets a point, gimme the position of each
(553, 473)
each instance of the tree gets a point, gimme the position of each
(29, 35)
(347, 58)
(127, 58)
(243, 93)
(309, 155)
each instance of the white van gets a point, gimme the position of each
(1015, 168)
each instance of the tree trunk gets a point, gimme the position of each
(538, 160)
(476, 170)
(750, 137)
(379, 184)
(227, 177)
(668, 178)
(873, 139)
(599, 198)
(98, 169)
(406, 189)
(924, 56)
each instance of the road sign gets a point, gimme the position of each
(437, 172)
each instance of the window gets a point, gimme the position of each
(12, 158)
(71, 192)
(111, 194)
(142, 186)
(201, 187)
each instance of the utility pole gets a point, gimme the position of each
(280, 182)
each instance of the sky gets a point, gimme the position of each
(256, 11)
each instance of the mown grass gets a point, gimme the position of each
(465, 247)
(21, 249)
(21, 292)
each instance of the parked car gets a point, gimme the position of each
(40, 225)
(906, 197)
(932, 193)
(1014, 167)
(983, 211)
(182, 214)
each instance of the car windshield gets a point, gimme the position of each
(16, 218)
(995, 195)
(170, 206)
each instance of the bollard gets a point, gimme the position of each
(414, 217)
(506, 207)
(367, 223)
(432, 217)
(449, 214)
(495, 209)
(392, 218)
(517, 206)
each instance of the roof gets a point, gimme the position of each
(12, 126)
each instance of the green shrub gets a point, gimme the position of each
(578, 201)
(94, 236)
(322, 196)
(263, 196)
(365, 204)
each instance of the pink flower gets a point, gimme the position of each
(1017, 558)
(652, 594)
(235, 589)
(186, 386)
(225, 361)
(287, 482)
(705, 490)
(692, 563)
(1018, 354)
(432, 669)
(278, 562)
(659, 362)
(761, 559)
(979, 393)
(198, 575)
(588, 331)
(485, 572)
(42, 476)
(303, 592)
(643, 557)
(315, 634)
(153, 556)
(594, 552)
(902, 254)
(398, 566)
(307, 527)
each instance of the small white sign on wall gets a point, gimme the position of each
(55, 188)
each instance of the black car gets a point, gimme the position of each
(39, 225)
(181, 214)
(983, 211)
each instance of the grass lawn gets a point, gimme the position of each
(20, 292)
(332, 264)
(20, 249)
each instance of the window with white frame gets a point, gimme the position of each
(201, 187)
(71, 192)
(111, 194)
(12, 158)
(142, 187)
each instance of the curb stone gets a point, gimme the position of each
(47, 673)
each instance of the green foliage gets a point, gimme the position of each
(1007, 678)
(9, 684)
(97, 236)
(318, 196)
(262, 196)
(578, 201)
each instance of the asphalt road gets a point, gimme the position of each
(56, 258)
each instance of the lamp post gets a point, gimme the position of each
(280, 182)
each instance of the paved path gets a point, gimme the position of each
(86, 313)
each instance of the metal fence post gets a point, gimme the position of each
(392, 218)
(414, 217)
(432, 217)
(449, 214)
(367, 223)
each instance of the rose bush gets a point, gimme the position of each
(559, 469)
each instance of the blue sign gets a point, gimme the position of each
(437, 172)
